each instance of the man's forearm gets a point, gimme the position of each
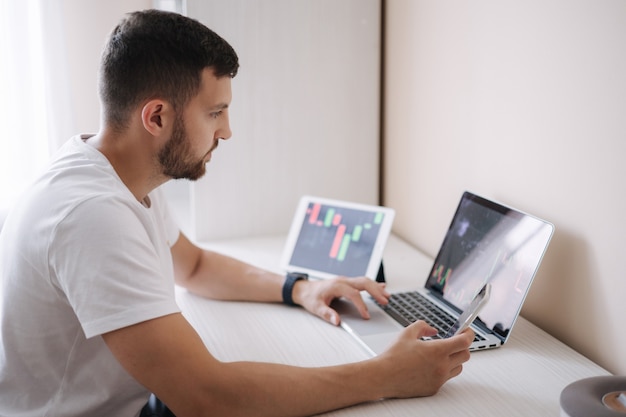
(261, 389)
(221, 277)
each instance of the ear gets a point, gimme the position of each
(155, 116)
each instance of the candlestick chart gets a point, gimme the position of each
(338, 239)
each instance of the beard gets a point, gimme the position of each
(176, 158)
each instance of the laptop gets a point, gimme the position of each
(333, 237)
(486, 242)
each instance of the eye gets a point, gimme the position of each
(215, 115)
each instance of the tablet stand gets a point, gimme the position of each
(380, 276)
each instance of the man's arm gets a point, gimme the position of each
(213, 275)
(168, 357)
(217, 276)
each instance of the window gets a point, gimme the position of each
(24, 148)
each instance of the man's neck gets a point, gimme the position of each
(133, 162)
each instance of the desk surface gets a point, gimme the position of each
(524, 377)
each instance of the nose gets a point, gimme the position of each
(224, 132)
(224, 135)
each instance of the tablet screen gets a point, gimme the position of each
(330, 237)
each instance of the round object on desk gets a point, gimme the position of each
(601, 396)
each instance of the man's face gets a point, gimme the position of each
(197, 131)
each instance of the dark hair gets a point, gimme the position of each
(157, 54)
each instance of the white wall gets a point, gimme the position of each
(523, 102)
(78, 30)
(305, 112)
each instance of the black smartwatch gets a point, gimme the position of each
(290, 281)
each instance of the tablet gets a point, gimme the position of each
(329, 237)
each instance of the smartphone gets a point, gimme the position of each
(471, 312)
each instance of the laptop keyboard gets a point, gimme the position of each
(409, 307)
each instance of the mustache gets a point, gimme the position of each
(212, 148)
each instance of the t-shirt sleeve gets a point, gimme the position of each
(110, 258)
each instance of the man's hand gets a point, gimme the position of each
(420, 368)
(316, 296)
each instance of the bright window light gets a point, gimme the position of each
(23, 138)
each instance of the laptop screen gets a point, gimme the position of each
(331, 237)
(488, 242)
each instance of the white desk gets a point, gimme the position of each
(523, 378)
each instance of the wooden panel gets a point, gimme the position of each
(525, 104)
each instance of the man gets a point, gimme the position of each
(90, 256)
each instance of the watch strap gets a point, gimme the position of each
(290, 281)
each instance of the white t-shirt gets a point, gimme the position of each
(80, 256)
